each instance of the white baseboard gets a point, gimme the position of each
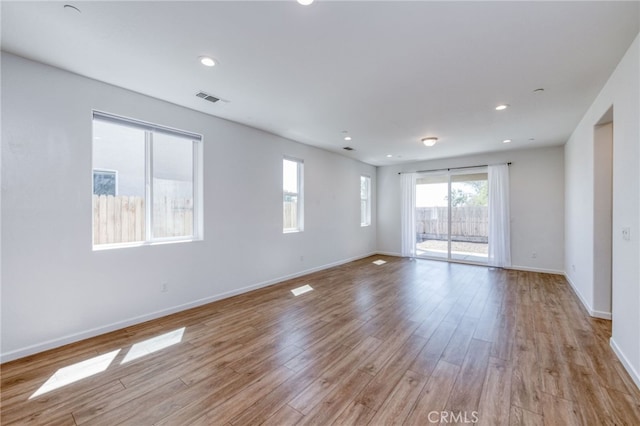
(601, 315)
(75, 337)
(540, 270)
(577, 293)
(592, 312)
(625, 362)
(388, 253)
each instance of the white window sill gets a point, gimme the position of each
(102, 247)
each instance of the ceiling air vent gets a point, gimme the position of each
(347, 148)
(207, 97)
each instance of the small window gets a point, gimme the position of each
(292, 186)
(146, 183)
(365, 201)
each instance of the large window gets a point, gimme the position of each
(292, 190)
(365, 201)
(146, 183)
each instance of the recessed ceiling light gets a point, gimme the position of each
(539, 90)
(305, 2)
(207, 61)
(389, 155)
(502, 107)
(347, 138)
(506, 141)
(429, 141)
(532, 139)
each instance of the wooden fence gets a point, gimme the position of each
(469, 223)
(121, 219)
(290, 215)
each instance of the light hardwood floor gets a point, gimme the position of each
(407, 342)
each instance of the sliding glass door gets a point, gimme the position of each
(452, 215)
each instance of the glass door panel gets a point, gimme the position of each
(469, 217)
(432, 216)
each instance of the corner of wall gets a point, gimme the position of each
(592, 312)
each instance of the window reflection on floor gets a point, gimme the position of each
(154, 344)
(98, 364)
(75, 372)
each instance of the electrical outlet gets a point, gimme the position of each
(573, 268)
(164, 287)
(301, 258)
(626, 234)
(534, 255)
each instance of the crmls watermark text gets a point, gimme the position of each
(453, 417)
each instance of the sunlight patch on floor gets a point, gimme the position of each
(153, 344)
(75, 372)
(301, 290)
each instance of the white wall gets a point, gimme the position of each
(55, 289)
(537, 204)
(622, 91)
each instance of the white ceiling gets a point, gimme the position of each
(388, 72)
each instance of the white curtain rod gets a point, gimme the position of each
(451, 168)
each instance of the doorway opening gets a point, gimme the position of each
(602, 215)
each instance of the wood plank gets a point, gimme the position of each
(431, 353)
(398, 405)
(234, 406)
(330, 378)
(495, 401)
(522, 417)
(601, 360)
(147, 406)
(369, 345)
(374, 362)
(330, 341)
(626, 407)
(283, 417)
(56, 404)
(306, 389)
(338, 400)
(385, 380)
(466, 392)
(505, 333)
(560, 411)
(55, 420)
(457, 346)
(592, 398)
(553, 371)
(355, 414)
(435, 394)
(526, 383)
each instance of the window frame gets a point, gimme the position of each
(367, 200)
(300, 195)
(150, 129)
